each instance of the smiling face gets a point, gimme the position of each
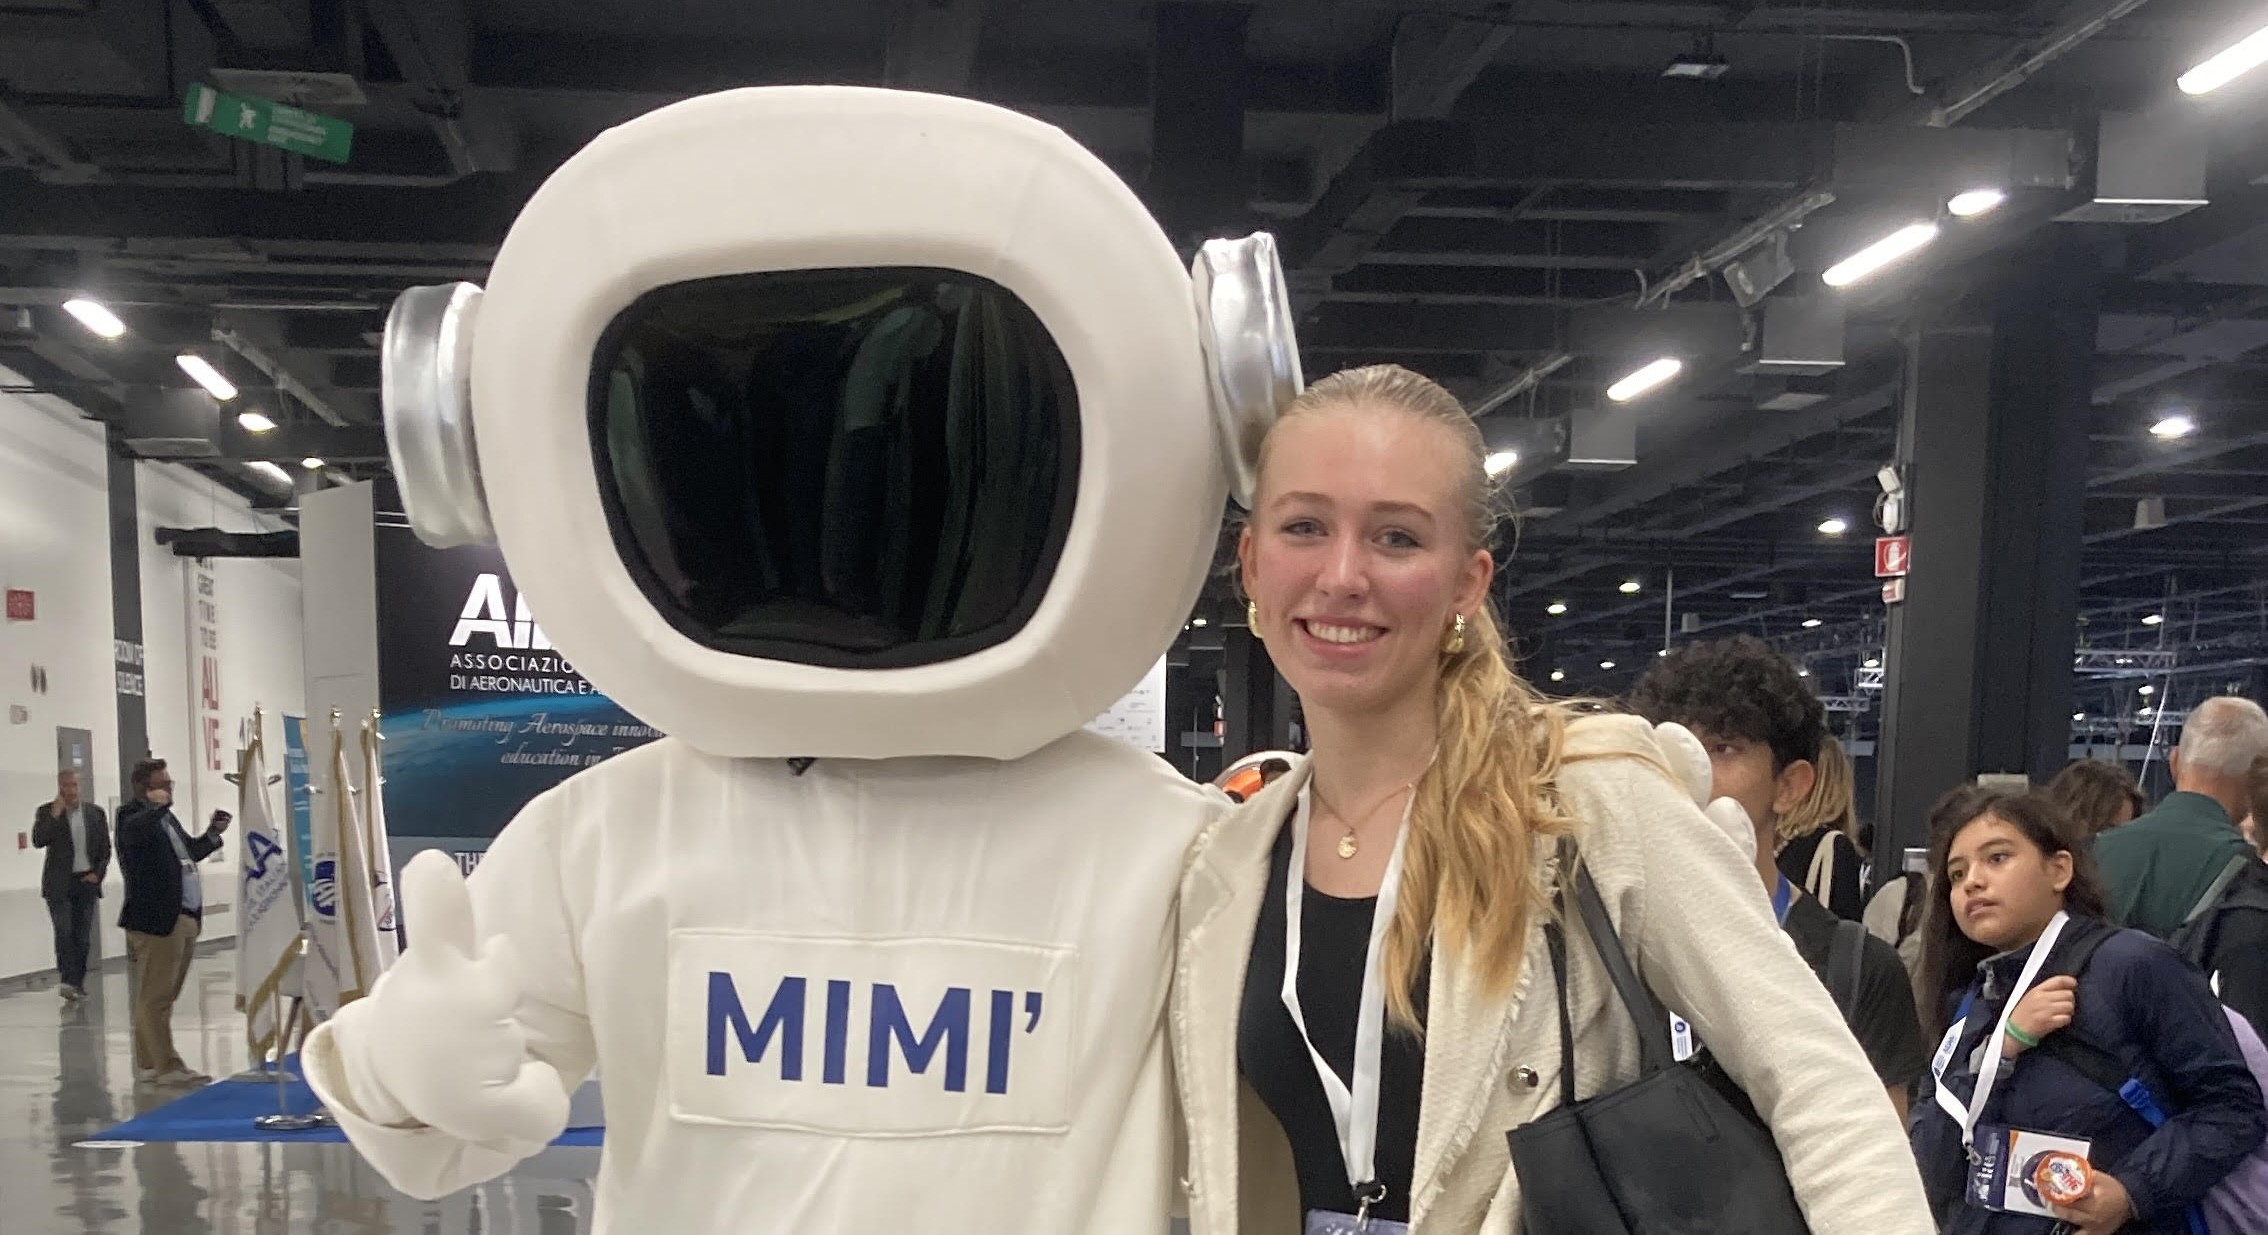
(2004, 888)
(1360, 553)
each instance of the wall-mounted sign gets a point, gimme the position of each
(270, 124)
(20, 604)
(1892, 556)
(1893, 590)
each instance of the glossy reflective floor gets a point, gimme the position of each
(66, 1072)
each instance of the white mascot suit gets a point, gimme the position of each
(868, 444)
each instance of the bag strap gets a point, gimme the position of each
(1843, 967)
(2219, 885)
(1821, 877)
(1556, 941)
(1650, 1018)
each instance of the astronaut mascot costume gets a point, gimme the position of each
(868, 444)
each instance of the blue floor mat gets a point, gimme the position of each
(224, 1111)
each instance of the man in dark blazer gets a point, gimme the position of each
(164, 909)
(76, 836)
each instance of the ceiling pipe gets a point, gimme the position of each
(282, 378)
(2021, 64)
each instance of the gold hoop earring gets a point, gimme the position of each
(1252, 619)
(1455, 643)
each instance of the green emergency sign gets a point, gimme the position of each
(270, 124)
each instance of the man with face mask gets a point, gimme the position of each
(164, 907)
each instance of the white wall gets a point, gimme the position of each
(55, 539)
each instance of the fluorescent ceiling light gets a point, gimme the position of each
(1501, 461)
(2223, 67)
(2078, 716)
(1811, 623)
(207, 376)
(1661, 651)
(1557, 608)
(1871, 662)
(1694, 66)
(2170, 427)
(1803, 673)
(1606, 664)
(2147, 690)
(1631, 587)
(1559, 675)
(2153, 619)
(254, 422)
(1881, 253)
(271, 471)
(1834, 526)
(1975, 202)
(311, 463)
(1197, 621)
(95, 317)
(1645, 378)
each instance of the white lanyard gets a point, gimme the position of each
(1989, 1069)
(1355, 1112)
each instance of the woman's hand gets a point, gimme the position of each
(2045, 1008)
(2104, 1209)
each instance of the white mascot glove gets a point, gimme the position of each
(1690, 761)
(435, 1041)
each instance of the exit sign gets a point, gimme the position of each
(270, 124)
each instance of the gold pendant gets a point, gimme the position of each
(1347, 846)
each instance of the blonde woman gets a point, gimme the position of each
(1423, 830)
(1818, 839)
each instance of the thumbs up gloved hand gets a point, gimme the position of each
(434, 1042)
(1689, 760)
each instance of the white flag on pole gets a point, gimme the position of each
(383, 916)
(358, 921)
(326, 973)
(268, 920)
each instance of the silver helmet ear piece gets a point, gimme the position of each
(1244, 322)
(425, 385)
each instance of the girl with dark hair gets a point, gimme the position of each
(2027, 1041)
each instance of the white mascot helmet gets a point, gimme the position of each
(843, 422)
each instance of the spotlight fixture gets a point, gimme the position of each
(95, 316)
(1803, 673)
(1559, 675)
(2153, 619)
(2146, 690)
(2173, 426)
(1661, 651)
(1871, 662)
(206, 375)
(311, 463)
(1811, 623)
(2078, 716)
(1557, 608)
(1644, 378)
(1631, 587)
(1501, 461)
(2226, 65)
(1874, 257)
(1975, 202)
(1197, 622)
(254, 422)
(1606, 664)
(1834, 526)
(271, 471)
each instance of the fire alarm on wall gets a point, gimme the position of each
(19, 604)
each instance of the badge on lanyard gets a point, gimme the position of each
(1988, 1059)
(1354, 1110)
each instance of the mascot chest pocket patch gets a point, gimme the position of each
(870, 1037)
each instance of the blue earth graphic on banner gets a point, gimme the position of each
(466, 769)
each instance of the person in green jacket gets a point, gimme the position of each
(2158, 866)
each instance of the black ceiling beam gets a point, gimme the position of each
(212, 542)
(1198, 98)
(374, 221)
(1446, 284)
(331, 332)
(663, 68)
(933, 45)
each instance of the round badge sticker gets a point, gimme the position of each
(2061, 1178)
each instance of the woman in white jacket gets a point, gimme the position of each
(1414, 851)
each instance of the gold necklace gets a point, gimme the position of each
(1348, 844)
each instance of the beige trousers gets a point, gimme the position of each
(161, 966)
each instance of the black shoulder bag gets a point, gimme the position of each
(1679, 1151)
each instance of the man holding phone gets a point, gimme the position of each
(165, 904)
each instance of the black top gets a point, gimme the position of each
(1885, 1021)
(1844, 895)
(1334, 935)
(150, 867)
